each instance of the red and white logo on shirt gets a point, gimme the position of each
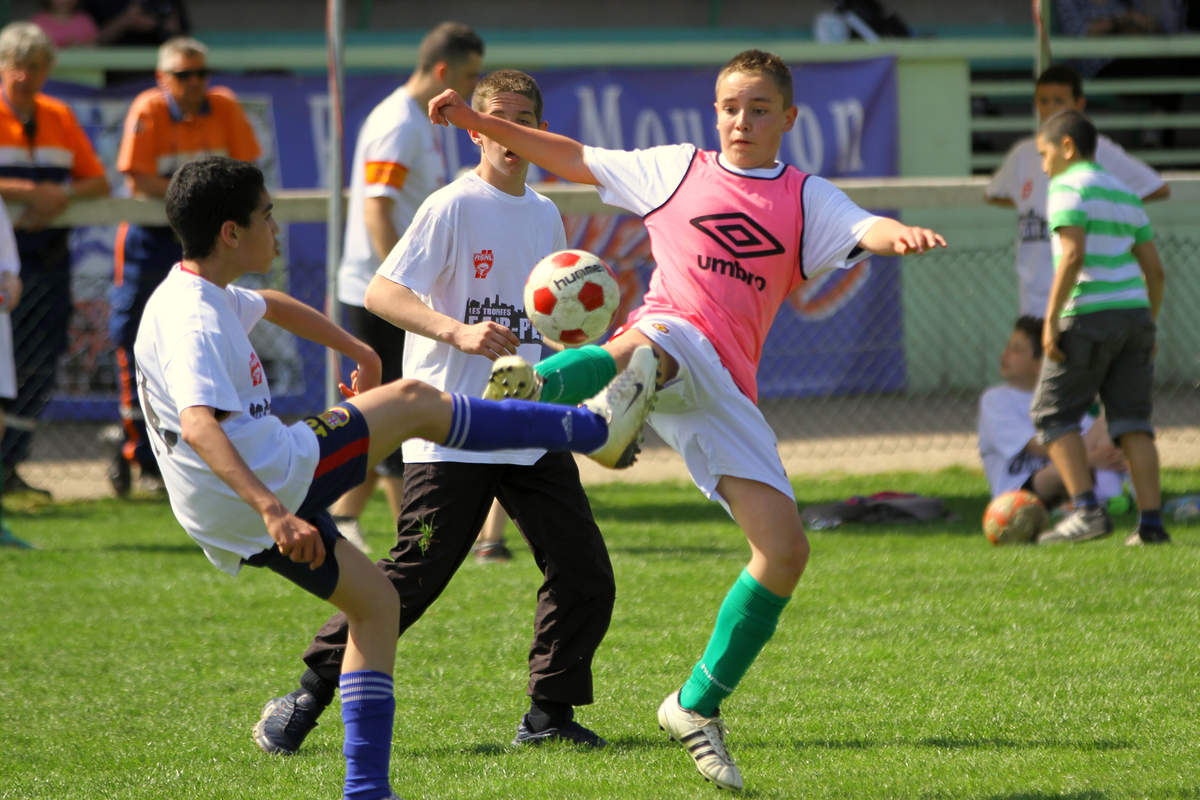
(1027, 190)
(483, 263)
(256, 370)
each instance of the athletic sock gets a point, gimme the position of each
(573, 375)
(477, 424)
(744, 624)
(1086, 499)
(318, 687)
(544, 714)
(368, 709)
(1150, 518)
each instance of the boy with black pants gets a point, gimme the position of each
(455, 279)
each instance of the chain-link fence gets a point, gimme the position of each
(879, 368)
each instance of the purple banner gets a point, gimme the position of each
(838, 335)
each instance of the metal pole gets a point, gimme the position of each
(334, 34)
(1042, 20)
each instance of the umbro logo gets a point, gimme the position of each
(741, 236)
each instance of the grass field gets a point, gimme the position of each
(913, 662)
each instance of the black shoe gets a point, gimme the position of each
(120, 476)
(1143, 536)
(286, 721)
(15, 484)
(571, 732)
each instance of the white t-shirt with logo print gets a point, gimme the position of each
(1021, 180)
(193, 349)
(467, 254)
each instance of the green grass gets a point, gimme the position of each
(913, 661)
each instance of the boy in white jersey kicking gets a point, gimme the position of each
(1098, 335)
(732, 234)
(251, 490)
(1020, 183)
(455, 282)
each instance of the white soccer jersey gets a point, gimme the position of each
(1021, 180)
(397, 155)
(10, 263)
(192, 349)
(467, 254)
(1005, 427)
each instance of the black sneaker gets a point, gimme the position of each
(1141, 536)
(492, 553)
(120, 475)
(285, 721)
(571, 732)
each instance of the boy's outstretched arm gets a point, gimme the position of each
(297, 539)
(551, 151)
(308, 323)
(890, 237)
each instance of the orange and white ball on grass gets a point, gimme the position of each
(1014, 517)
(571, 297)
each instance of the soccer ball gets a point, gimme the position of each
(1014, 517)
(571, 297)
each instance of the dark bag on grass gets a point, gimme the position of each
(890, 507)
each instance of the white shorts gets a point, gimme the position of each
(705, 417)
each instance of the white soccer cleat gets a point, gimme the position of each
(513, 378)
(624, 404)
(704, 738)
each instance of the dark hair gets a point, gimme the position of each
(1031, 326)
(1074, 124)
(507, 80)
(1062, 75)
(451, 42)
(758, 62)
(203, 195)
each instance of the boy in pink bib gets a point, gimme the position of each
(732, 234)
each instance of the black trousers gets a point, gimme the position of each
(39, 327)
(547, 502)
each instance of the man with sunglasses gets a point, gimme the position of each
(179, 120)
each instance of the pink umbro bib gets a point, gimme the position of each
(727, 249)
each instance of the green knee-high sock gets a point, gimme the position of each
(744, 624)
(572, 376)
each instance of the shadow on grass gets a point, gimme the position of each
(1086, 795)
(183, 547)
(657, 513)
(958, 743)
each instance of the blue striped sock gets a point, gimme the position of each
(368, 709)
(478, 424)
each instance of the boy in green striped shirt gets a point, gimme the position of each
(1099, 330)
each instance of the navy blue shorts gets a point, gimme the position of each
(343, 439)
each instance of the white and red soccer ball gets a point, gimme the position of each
(571, 296)
(1014, 517)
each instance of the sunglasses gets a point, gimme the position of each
(186, 74)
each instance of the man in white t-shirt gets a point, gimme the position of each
(455, 282)
(398, 162)
(251, 490)
(10, 294)
(1020, 183)
(1012, 455)
(733, 234)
